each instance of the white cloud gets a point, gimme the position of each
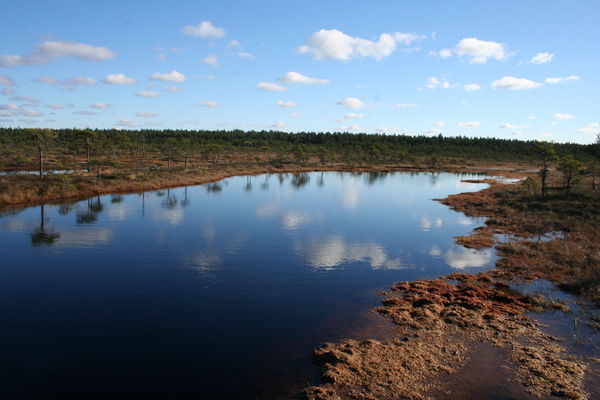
(509, 126)
(436, 83)
(591, 129)
(545, 135)
(47, 79)
(295, 77)
(209, 104)
(294, 115)
(173, 76)
(351, 102)
(479, 51)
(562, 117)
(118, 79)
(204, 30)
(246, 55)
(49, 50)
(353, 127)
(56, 106)
(233, 44)
(145, 93)
(211, 59)
(406, 105)
(73, 83)
(472, 87)
(278, 125)
(7, 91)
(468, 258)
(100, 106)
(554, 81)
(271, 87)
(541, 58)
(147, 114)
(512, 83)
(440, 123)
(126, 123)
(282, 103)
(84, 113)
(469, 124)
(444, 53)
(518, 133)
(206, 77)
(10, 107)
(28, 99)
(353, 115)
(532, 117)
(335, 44)
(6, 80)
(32, 113)
(172, 89)
(434, 131)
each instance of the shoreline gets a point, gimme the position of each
(442, 322)
(18, 191)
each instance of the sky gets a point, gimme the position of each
(506, 69)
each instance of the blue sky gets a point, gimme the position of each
(510, 69)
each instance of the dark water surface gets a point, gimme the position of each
(213, 291)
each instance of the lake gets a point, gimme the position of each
(214, 291)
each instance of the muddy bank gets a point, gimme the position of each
(439, 322)
(443, 324)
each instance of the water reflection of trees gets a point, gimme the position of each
(214, 188)
(89, 215)
(42, 235)
(170, 202)
(300, 180)
(375, 176)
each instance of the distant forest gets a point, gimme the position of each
(20, 147)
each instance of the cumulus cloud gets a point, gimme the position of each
(209, 104)
(469, 124)
(145, 93)
(32, 113)
(246, 55)
(270, 86)
(211, 59)
(69, 83)
(282, 103)
(591, 129)
(562, 117)
(434, 131)
(146, 114)
(56, 106)
(118, 79)
(472, 87)
(512, 83)
(28, 99)
(126, 123)
(554, 81)
(436, 83)
(278, 125)
(173, 76)
(204, 29)
(351, 102)
(6, 80)
(348, 128)
(7, 91)
(84, 113)
(541, 58)
(480, 51)
(440, 123)
(295, 77)
(353, 115)
(509, 126)
(100, 106)
(335, 44)
(406, 105)
(47, 51)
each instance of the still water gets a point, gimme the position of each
(213, 291)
